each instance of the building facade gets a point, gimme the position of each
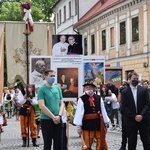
(66, 15)
(119, 30)
(68, 12)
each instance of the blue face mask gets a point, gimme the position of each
(51, 80)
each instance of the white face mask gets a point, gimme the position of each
(89, 92)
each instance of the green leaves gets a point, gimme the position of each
(11, 10)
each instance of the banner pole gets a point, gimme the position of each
(26, 33)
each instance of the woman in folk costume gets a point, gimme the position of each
(16, 105)
(91, 119)
(3, 106)
(27, 117)
(8, 104)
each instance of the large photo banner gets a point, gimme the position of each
(38, 65)
(67, 45)
(94, 70)
(71, 72)
(68, 76)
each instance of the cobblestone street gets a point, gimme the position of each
(11, 140)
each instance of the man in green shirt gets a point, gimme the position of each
(52, 106)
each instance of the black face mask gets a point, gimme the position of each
(135, 82)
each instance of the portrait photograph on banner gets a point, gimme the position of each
(30, 90)
(68, 76)
(67, 45)
(38, 65)
(94, 70)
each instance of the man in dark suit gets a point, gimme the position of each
(74, 47)
(146, 84)
(135, 110)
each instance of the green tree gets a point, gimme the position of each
(11, 11)
(45, 6)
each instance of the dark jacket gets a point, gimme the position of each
(129, 109)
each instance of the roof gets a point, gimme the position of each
(96, 10)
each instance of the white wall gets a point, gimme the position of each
(85, 6)
(67, 26)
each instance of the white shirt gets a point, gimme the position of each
(21, 99)
(1, 119)
(134, 92)
(80, 113)
(113, 99)
(37, 79)
(57, 48)
(64, 116)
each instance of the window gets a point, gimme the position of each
(112, 41)
(135, 29)
(92, 44)
(76, 7)
(64, 13)
(69, 9)
(85, 46)
(122, 33)
(103, 39)
(59, 17)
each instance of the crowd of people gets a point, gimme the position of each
(20, 105)
(96, 110)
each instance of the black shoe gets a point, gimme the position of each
(24, 142)
(34, 142)
(122, 148)
(35, 145)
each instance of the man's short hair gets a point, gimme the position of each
(38, 63)
(46, 72)
(146, 81)
(71, 36)
(62, 35)
(130, 74)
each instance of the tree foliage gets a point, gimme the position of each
(10, 10)
(45, 6)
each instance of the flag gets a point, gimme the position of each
(26, 7)
(1, 59)
(16, 48)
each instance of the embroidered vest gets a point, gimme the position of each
(91, 124)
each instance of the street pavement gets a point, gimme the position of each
(11, 138)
